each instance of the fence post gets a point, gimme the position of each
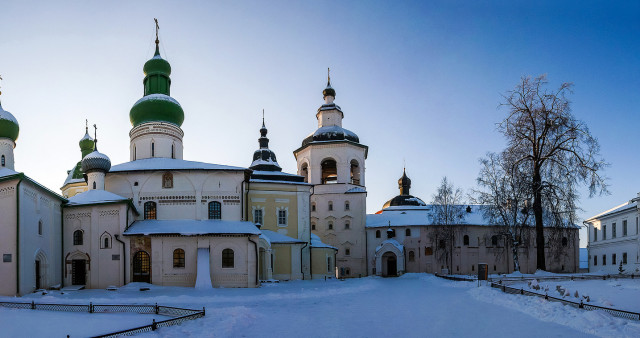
(203, 311)
(154, 326)
(546, 296)
(33, 305)
(521, 291)
(90, 307)
(504, 288)
(581, 305)
(156, 308)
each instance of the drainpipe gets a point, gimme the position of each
(62, 248)
(18, 234)
(257, 258)
(124, 258)
(302, 248)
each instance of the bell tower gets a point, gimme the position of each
(333, 160)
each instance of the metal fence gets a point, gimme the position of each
(580, 305)
(180, 315)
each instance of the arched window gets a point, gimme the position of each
(355, 172)
(377, 233)
(105, 241)
(412, 256)
(178, 258)
(304, 171)
(313, 226)
(347, 206)
(465, 240)
(173, 151)
(329, 172)
(494, 240)
(330, 226)
(313, 207)
(150, 210)
(329, 264)
(565, 242)
(77, 237)
(347, 225)
(215, 210)
(330, 206)
(167, 180)
(153, 149)
(94, 185)
(407, 232)
(40, 227)
(2, 161)
(347, 252)
(227, 258)
(135, 153)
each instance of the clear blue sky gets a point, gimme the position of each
(419, 81)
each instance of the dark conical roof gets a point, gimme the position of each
(264, 159)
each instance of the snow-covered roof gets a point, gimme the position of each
(159, 97)
(355, 190)
(190, 227)
(253, 180)
(317, 243)
(7, 172)
(264, 162)
(621, 207)
(70, 178)
(5, 115)
(272, 173)
(95, 197)
(274, 237)
(391, 241)
(159, 163)
(422, 216)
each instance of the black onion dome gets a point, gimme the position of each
(96, 161)
(329, 91)
(331, 133)
(264, 159)
(404, 200)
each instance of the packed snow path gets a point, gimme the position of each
(414, 305)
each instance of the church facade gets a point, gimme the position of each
(161, 219)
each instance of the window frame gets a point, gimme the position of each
(228, 256)
(78, 237)
(150, 210)
(179, 258)
(214, 210)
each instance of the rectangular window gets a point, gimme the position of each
(595, 234)
(257, 216)
(624, 258)
(595, 260)
(330, 206)
(604, 259)
(115, 257)
(6, 258)
(624, 227)
(613, 259)
(604, 235)
(282, 217)
(613, 230)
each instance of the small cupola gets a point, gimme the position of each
(95, 165)
(329, 94)
(264, 159)
(404, 183)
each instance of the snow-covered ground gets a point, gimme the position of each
(414, 305)
(622, 294)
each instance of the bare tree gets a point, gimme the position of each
(505, 195)
(556, 152)
(447, 212)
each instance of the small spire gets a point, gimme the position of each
(157, 40)
(328, 77)
(86, 126)
(329, 91)
(263, 118)
(95, 138)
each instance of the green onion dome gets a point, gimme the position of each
(156, 105)
(86, 144)
(9, 127)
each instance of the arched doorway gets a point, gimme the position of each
(40, 270)
(389, 264)
(141, 267)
